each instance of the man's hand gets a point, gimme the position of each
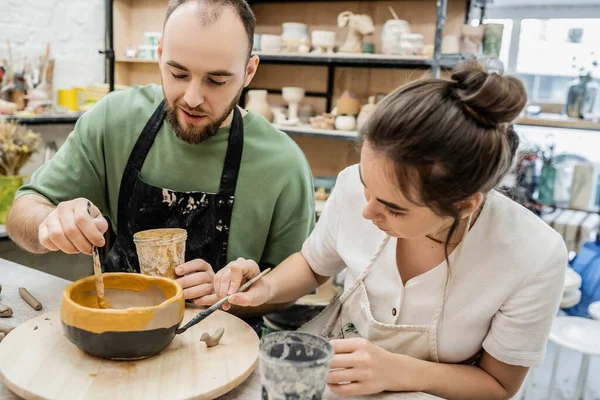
(197, 280)
(70, 229)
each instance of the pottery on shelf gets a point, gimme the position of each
(345, 122)
(348, 104)
(256, 42)
(394, 30)
(359, 25)
(450, 44)
(295, 38)
(492, 39)
(323, 41)
(323, 121)
(471, 38)
(257, 102)
(582, 97)
(306, 112)
(144, 313)
(365, 112)
(270, 43)
(293, 96)
(412, 44)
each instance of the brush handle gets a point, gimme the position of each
(203, 314)
(97, 266)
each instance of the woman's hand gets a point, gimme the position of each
(228, 280)
(360, 367)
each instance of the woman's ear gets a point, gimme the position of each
(470, 205)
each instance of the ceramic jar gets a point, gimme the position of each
(392, 34)
(270, 43)
(323, 41)
(345, 122)
(257, 102)
(295, 38)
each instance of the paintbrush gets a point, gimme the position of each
(102, 303)
(203, 314)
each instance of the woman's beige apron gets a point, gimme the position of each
(349, 315)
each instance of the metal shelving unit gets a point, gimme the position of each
(436, 63)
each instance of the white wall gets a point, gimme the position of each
(74, 28)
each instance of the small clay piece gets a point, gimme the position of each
(324, 121)
(5, 328)
(5, 311)
(32, 301)
(214, 339)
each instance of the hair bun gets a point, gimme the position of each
(493, 98)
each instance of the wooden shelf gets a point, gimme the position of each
(46, 119)
(135, 61)
(340, 59)
(558, 121)
(303, 130)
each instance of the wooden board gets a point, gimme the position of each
(41, 363)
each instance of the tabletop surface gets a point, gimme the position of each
(48, 290)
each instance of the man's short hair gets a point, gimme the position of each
(210, 11)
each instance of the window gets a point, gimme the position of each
(552, 52)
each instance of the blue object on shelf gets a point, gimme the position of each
(587, 264)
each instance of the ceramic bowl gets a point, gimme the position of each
(144, 313)
(323, 38)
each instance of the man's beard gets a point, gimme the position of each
(194, 135)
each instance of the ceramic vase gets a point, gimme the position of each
(581, 97)
(391, 36)
(257, 102)
(492, 39)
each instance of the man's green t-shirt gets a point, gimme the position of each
(273, 211)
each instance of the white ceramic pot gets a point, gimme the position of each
(293, 96)
(323, 41)
(345, 122)
(257, 102)
(295, 38)
(270, 43)
(391, 36)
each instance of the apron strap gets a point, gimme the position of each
(136, 160)
(366, 271)
(233, 157)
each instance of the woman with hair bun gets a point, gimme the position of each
(450, 287)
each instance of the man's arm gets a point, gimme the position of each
(24, 219)
(44, 216)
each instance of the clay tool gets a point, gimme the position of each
(202, 315)
(29, 299)
(97, 270)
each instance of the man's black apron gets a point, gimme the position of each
(205, 216)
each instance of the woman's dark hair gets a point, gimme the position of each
(449, 138)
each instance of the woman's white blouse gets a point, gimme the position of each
(506, 282)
